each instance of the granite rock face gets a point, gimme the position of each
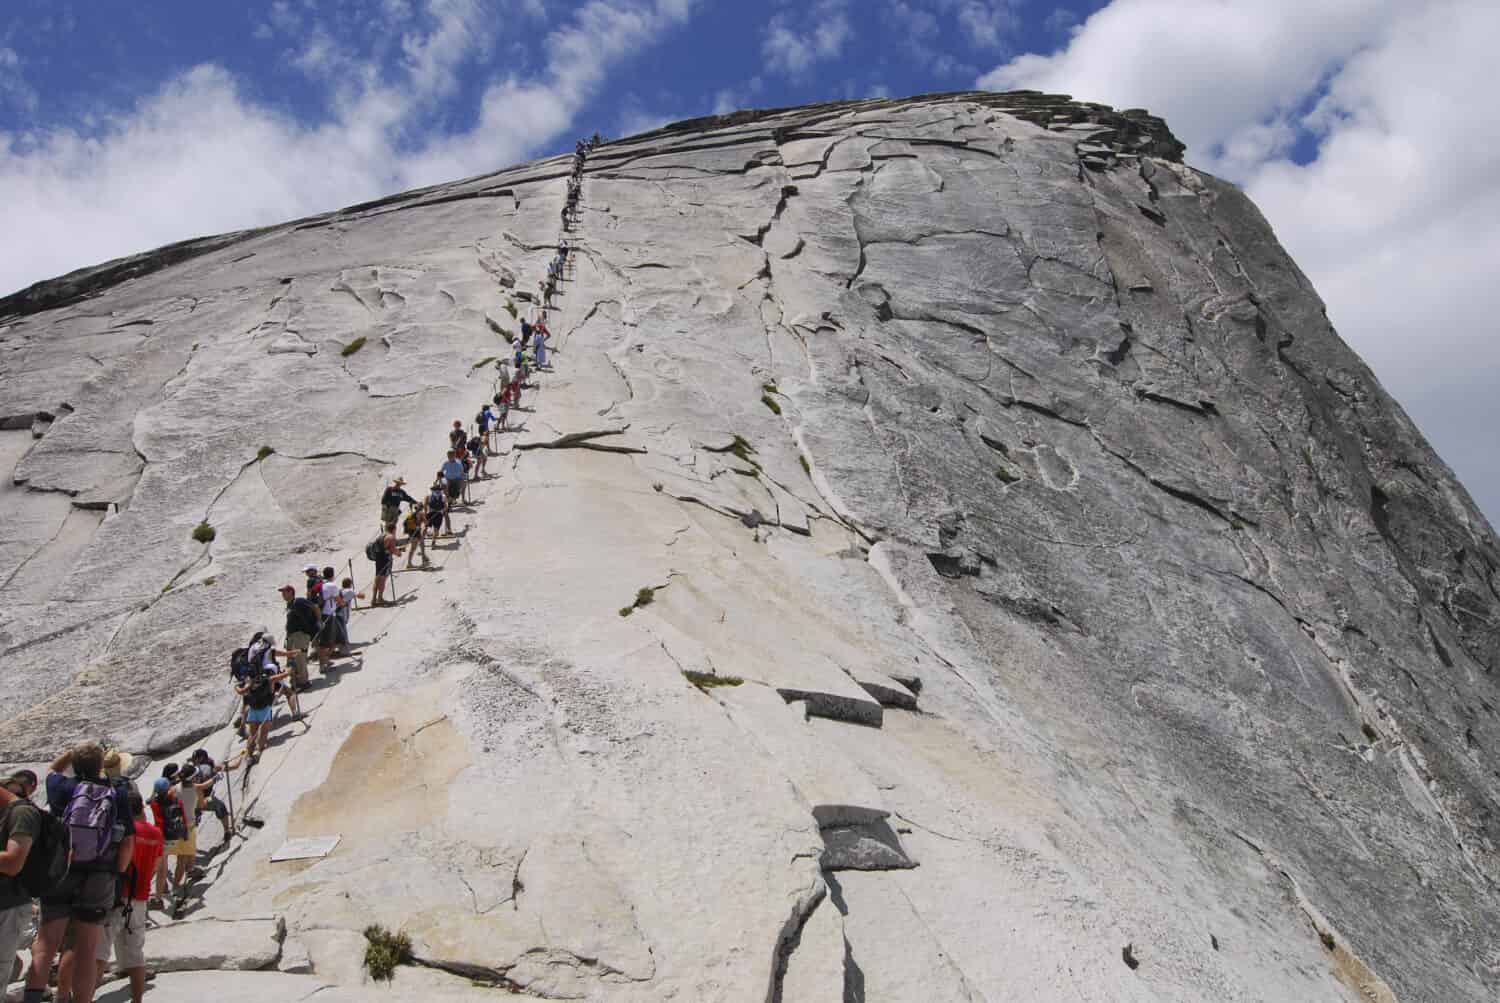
(1090, 623)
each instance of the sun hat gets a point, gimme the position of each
(116, 763)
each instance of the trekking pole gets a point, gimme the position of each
(229, 793)
(354, 603)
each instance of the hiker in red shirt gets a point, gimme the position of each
(125, 929)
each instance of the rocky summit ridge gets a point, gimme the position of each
(953, 558)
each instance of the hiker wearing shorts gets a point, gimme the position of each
(384, 558)
(258, 688)
(103, 825)
(437, 508)
(125, 929)
(301, 628)
(453, 476)
(416, 531)
(391, 499)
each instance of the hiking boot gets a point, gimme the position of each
(155, 902)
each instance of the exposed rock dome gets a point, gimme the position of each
(1103, 629)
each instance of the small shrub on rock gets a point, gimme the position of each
(385, 950)
(708, 680)
(204, 533)
(353, 346)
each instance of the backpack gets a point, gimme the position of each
(47, 862)
(90, 819)
(375, 548)
(435, 500)
(261, 694)
(173, 821)
(239, 662)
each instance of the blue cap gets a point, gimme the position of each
(162, 785)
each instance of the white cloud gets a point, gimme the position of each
(793, 52)
(987, 23)
(14, 90)
(201, 156)
(1396, 219)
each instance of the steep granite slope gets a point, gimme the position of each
(1105, 631)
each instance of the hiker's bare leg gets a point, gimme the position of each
(43, 949)
(85, 976)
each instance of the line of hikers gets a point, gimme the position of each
(79, 875)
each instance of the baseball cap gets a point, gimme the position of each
(162, 785)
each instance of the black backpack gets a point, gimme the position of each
(436, 500)
(261, 693)
(375, 548)
(47, 862)
(239, 662)
(173, 822)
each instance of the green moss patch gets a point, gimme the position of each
(263, 452)
(708, 680)
(353, 346)
(770, 402)
(1006, 476)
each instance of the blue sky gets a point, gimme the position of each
(81, 61)
(1362, 128)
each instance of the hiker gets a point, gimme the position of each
(503, 381)
(437, 509)
(350, 595)
(525, 330)
(258, 688)
(416, 532)
(206, 774)
(301, 628)
(125, 929)
(391, 499)
(101, 823)
(21, 825)
(477, 451)
(456, 435)
(485, 421)
(180, 844)
(382, 551)
(453, 474)
(330, 626)
(539, 335)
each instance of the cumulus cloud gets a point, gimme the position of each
(792, 51)
(1397, 217)
(201, 155)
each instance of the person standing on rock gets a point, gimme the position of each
(456, 435)
(437, 509)
(391, 499)
(206, 774)
(350, 595)
(329, 624)
(539, 336)
(102, 825)
(385, 558)
(301, 627)
(503, 382)
(125, 930)
(453, 475)
(480, 455)
(176, 816)
(416, 535)
(258, 690)
(20, 828)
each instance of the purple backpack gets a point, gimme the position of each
(90, 818)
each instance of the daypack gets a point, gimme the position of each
(239, 662)
(173, 820)
(375, 548)
(47, 862)
(90, 819)
(260, 694)
(435, 500)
